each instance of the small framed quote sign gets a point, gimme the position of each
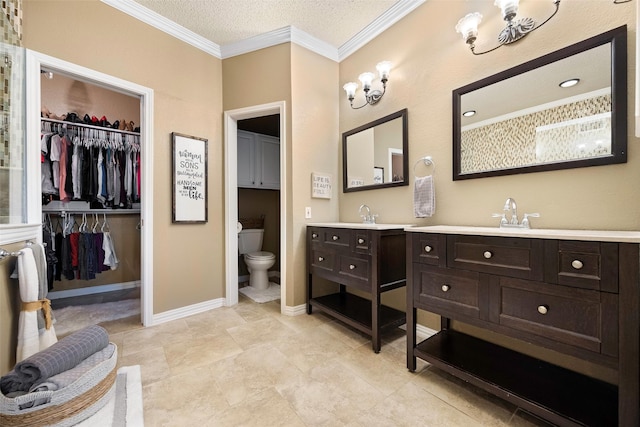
(189, 178)
(320, 185)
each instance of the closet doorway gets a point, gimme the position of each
(231, 119)
(39, 64)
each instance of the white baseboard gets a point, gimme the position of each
(189, 310)
(294, 311)
(423, 330)
(93, 290)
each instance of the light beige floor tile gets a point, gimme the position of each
(330, 395)
(213, 321)
(252, 372)
(156, 336)
(311, 348)
(524, 419)
(475, 402)
(152, 361)
(258, 332)
(413, 406)
(267, 408)
(353, 338)
(183, 358)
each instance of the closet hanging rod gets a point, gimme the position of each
(5, 254)
(122, 211)
(44, 119)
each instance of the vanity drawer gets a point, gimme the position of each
(448, 292)
(577, 317)
(357, 268)
(322, 260)
(513, 257)
(429, 249)
(589, 265)
(362, 241)
(335, 237)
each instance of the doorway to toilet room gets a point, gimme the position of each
(259, 207)
(232, 119)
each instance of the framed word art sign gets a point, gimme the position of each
(189, 178)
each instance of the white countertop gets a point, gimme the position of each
(359, 225)
(589, 235)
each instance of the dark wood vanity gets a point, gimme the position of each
(369, 258)
(576, 293)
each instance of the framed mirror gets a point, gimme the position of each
(522, 120)
(376, 155)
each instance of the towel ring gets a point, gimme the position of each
(427, 160)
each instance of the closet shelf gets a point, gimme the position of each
(123, 211)
(86, 126)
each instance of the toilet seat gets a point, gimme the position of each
(260, 255)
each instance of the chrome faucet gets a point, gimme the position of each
(367, 218)
(511, 207)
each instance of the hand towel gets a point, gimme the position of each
(424, 197)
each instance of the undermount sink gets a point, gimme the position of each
(562, 234)
(360, 225)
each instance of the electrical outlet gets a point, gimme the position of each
(307, 212)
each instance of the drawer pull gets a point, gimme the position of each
(320, 259)
(360, 241)
(577, 264)
(487, 254)
(445, 288)
(428, 249)
(543, 309)
(335, 238)
(314, 236)
(352, 267)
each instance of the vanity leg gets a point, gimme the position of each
(375, 321)
(309, 293)
(411, 338)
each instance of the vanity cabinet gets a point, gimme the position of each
(258, 161)
(367, 259)
(577, 295)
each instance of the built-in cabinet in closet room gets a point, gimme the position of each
(90, 116)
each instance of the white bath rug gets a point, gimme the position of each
(272, 293)
(76, 317)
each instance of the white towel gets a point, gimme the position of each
(424, 197)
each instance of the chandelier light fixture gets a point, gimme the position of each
(514, 31)
(371, 97)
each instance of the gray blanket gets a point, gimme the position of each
(60, 357)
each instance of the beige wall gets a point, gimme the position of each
(187, 86)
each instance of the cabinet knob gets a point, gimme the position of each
(360, 241)
(314, 235)
(320, 259)
(577, 264)
(352, 267)
(543, 309)
(487, 254)
(445, 288)
(335, 238)
(428, 249)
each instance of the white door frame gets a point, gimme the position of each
(34, 62)
(231, 118)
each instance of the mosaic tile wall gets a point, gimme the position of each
(12, 132)
(515, 142)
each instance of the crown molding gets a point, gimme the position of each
(271, 38)
(150, 17)
(398, 11)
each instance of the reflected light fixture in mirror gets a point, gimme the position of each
(514, 31)
(371, 97)
(569, 83)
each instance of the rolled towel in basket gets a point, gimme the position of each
(61, 356)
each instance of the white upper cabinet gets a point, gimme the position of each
(258, 161)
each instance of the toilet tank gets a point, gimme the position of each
(250, 240)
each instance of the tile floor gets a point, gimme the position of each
(249, 365)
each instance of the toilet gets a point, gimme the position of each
(258, 261)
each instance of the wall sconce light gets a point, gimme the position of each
(371, 96)
(514, 31)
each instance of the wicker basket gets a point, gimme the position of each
(252, 222)
(67, 406)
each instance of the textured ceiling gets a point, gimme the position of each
(229, 21)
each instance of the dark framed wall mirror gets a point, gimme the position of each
(523, 120)
(376, 155)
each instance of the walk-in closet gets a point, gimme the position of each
(91, 194)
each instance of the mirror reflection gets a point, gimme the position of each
(563, 110)
(375, 155)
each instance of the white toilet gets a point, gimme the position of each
(258, 261)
